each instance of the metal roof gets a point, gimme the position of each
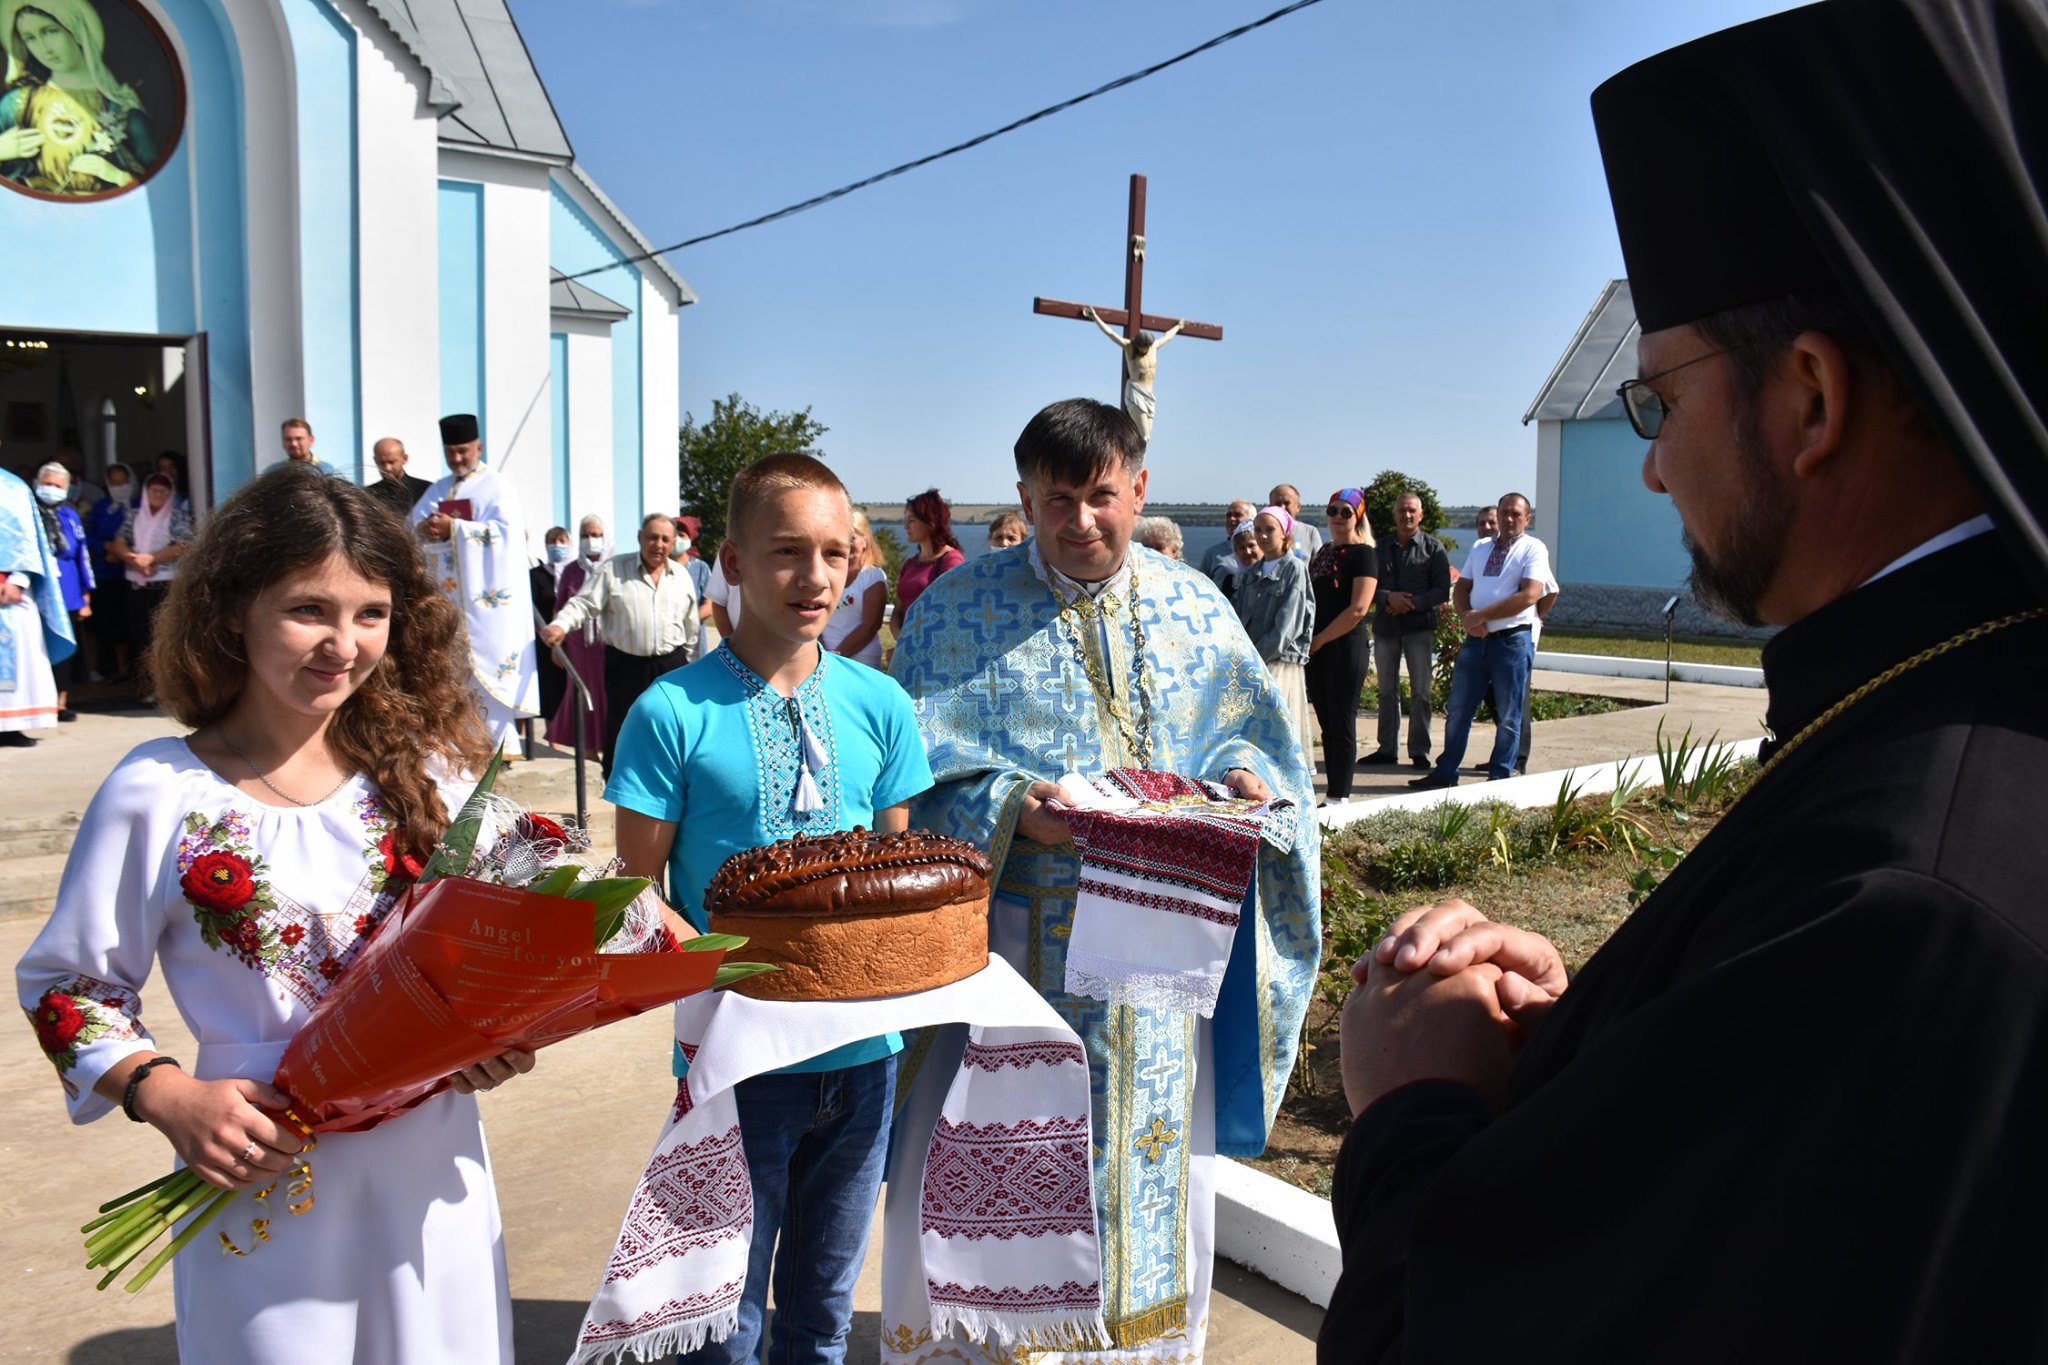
(483, 80)
(568, 296)
(1601, 356)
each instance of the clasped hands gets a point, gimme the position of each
(1446, 995)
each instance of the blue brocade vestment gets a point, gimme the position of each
(1010, 689)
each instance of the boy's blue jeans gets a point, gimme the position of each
(815, 1143)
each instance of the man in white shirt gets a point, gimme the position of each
(1308, 538)
(647, 611)
(1504, 579)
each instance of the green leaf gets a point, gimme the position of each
(555, 881)
(452, 854)
(609, 897)
(705, 943)
(733, 972)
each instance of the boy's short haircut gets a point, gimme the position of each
(772, 474)
(1076, 441)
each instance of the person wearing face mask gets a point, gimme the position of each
(542, 579)
(111, 658)
(65, 534)
(585, 644)
(700, 570)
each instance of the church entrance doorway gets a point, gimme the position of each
(104, 397)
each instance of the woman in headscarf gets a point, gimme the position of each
(584, 645)
(68, 126)
(154, 536)
(1342, 578)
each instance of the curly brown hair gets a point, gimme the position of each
(414, 704)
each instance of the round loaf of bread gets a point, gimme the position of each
(856, 915)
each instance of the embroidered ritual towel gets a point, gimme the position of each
(1165, 865)
(1007, 1208)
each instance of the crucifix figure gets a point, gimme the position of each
(1140, 371)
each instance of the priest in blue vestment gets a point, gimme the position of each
(35, 630)
(1079, 652)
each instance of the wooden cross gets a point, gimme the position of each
(1131, 317)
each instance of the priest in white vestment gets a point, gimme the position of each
(35, 631)
(473, 535)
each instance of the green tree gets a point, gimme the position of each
(1390, 484)
(711, 455)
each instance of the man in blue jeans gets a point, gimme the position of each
(767, 737)
(1496, 599)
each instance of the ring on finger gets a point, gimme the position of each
(251, 1152)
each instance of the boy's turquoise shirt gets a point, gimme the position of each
(714, 749)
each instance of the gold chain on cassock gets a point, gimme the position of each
(1897, 670)
(1081, 610)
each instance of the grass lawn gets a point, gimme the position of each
(1741, 653)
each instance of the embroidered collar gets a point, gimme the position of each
(795, 738)
(1066, 587)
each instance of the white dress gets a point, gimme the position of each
(402, 1256)
(847, 617)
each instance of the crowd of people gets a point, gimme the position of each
(1788, 1110)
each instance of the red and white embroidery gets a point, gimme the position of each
(997, 1056)
(240, 912)
(672, 1311)
(1155, 900)
(696, 1195)
(79, 1011)
(1009, 1299)
(1004, 1180)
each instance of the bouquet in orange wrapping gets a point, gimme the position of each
(504, 941)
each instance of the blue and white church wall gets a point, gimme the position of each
(1615, 546)
(314, 244)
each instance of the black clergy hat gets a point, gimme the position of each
(1892, 151)
(459, 429)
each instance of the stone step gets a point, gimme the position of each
(29, 886)
(21, 839)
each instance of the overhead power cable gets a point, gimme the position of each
(1119, 83)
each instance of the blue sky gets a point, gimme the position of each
(1395, 210)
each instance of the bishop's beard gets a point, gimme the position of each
(1732, 580)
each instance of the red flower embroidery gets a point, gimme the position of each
(329, 968)
(291, 934)
(538, 828)
(246, 936)
(58, 1022)
(399, 863)
(218, 881)
(364, 924)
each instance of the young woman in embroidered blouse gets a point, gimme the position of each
(321, 675)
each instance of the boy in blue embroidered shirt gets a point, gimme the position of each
(770, 736)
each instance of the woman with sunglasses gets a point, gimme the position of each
(1342, 578)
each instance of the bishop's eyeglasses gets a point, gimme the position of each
(1644, 405)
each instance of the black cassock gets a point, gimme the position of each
(1797, 1107)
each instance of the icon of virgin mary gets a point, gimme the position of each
(69, 127)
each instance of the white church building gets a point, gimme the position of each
(218, 214)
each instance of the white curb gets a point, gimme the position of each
(1527, 792)
(1276, 1229)
(1610, 666)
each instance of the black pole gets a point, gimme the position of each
(1670, 619)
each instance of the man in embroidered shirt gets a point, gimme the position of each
(1086, 655)
(1793, 1108)
(646, 609)
(1496, 599)
(769, 737)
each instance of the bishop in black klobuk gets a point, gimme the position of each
(1796, 1108)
